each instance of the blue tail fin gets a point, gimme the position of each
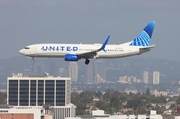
(144, 38)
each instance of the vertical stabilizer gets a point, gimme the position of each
(144, 37)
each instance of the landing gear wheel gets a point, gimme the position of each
(32, 60)
(87, 62)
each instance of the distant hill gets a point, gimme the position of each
(169, 70)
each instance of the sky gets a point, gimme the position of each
(25, 22)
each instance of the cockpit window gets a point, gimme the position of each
(27, 48)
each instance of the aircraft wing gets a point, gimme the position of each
(93, 53)
(88, 55)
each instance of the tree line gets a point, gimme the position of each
(3, 97)
(113, 101)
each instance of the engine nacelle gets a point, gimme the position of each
(71, 57)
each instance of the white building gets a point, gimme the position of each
(97, 112)
(121, 117)
(60, 112)
(129, 79)
(176, 117)
(155, 117)
(73, 71)
(159, 93)
(131, 117)
(123, 79)
(118, 117)
(130, 91)
(141, 116)
(134, 79)
(156, 77)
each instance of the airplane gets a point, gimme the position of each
(75, 52)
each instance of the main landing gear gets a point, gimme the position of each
(87, 62)
(32, 60)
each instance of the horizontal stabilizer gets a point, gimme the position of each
(146, 49)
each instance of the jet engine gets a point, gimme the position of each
(70, 57)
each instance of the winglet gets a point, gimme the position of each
(104, 44)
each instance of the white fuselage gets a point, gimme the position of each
(75, 52)
(59, 50)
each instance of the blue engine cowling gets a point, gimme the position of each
(71, 57)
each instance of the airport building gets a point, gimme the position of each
(55, 92)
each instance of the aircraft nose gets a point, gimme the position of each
(21, 51)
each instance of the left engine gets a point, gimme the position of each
(71, 57)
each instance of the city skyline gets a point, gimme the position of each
(130, 67)
(127, 67)
(94, 73)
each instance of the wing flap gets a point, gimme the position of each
(87, 55)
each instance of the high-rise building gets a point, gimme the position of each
(88, 73)
(134, 79)
(98, 79)
(39, 91)
(145, 77)
(156, 77)
(53, 68)
(73, 71)
(100, 69)
(123, 79)
(129, 79)
(36, 91)
(36, 69)
(62, 72)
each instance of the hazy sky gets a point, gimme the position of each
(25, 22)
